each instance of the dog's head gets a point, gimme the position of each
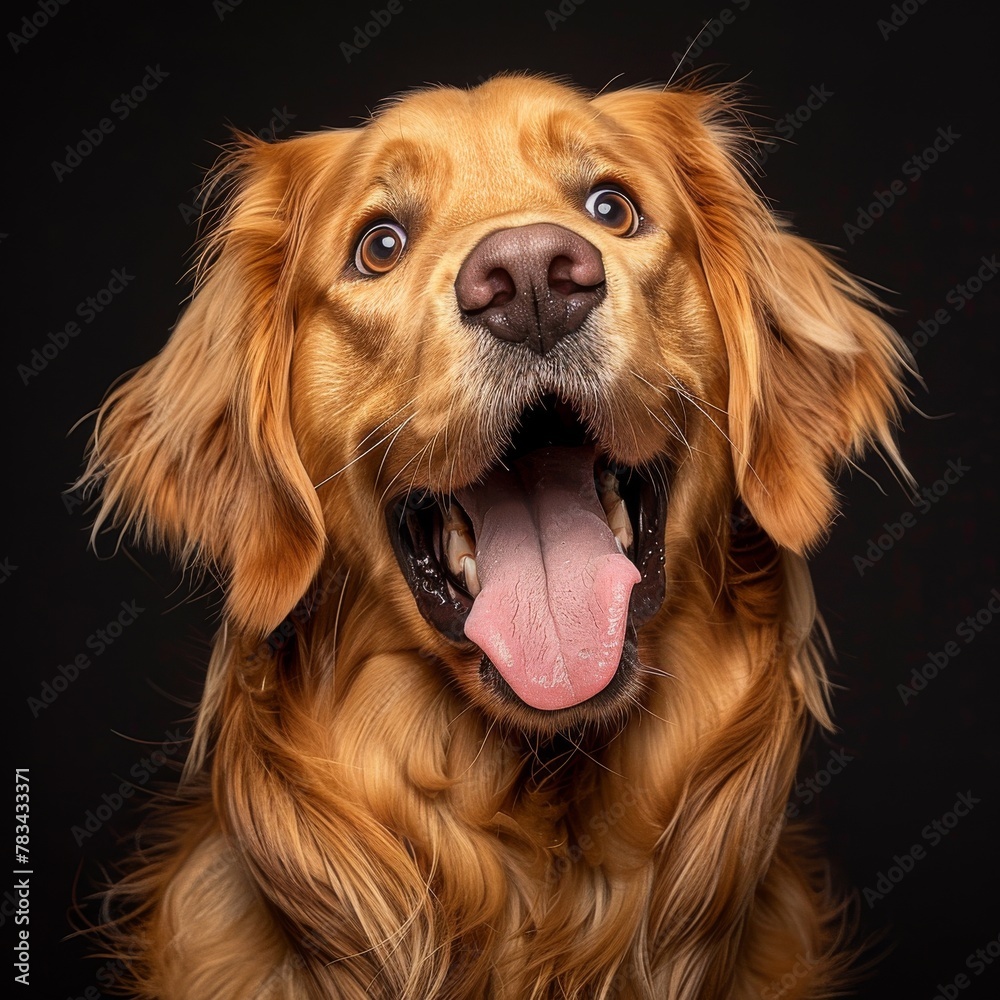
(510, 356)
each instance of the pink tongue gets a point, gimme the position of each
(555, 589)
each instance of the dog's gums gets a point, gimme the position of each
(569, 549)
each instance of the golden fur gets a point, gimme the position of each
(358, 816)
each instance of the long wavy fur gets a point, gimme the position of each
(351, 824)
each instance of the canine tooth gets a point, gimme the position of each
(614, 509)
(456, 541)
(471, 574)
(458, 547)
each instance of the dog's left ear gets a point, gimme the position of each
(816, 376)
(195, 450)
(825, 387)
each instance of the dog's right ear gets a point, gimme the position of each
(195, 450)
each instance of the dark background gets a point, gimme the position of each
(129, 206)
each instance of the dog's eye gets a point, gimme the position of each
(380, 248)
(613, 209)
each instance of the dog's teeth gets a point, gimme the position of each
(621, 526)
(614, 509)
(471, 574)
(457, 546)
(459, 550)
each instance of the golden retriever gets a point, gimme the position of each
(505, 421)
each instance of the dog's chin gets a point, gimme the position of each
(548, 463)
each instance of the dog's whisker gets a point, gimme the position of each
(679, 387)
(482, 746)
(367, 451)
(336, 624)
(592, 758)
(676, 432)
(624, 718)
(617, 76)
(392, 441)
(430, 453)
(659, 718)
(658, 472)
(394, 413)
(415, 457)
(683, 58)
(468, 708)
(683, 392)
(644, 669)
(450, 454)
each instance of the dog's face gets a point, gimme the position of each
(507, 325)
(510, 356)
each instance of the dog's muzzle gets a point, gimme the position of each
(548, 562)
(553, 557)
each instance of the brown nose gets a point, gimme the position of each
(532, 285)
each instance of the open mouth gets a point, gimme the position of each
(549, 563)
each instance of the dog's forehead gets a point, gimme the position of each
(505, 129)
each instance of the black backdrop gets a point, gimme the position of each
(880, 95)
